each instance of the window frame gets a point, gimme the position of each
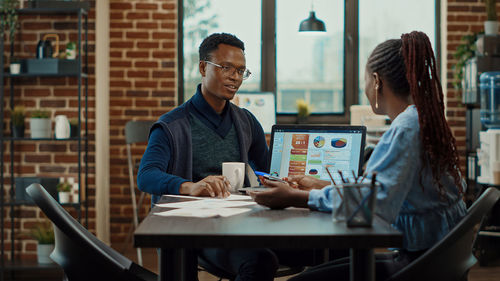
(268, 59)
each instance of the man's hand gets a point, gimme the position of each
(280, 195)
(213, 186)
(306, 182)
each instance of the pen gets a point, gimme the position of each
(342, 177)
(261, 173)
(336, 188)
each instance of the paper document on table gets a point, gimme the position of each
(232, 197)
(207, 204)
(203, 213)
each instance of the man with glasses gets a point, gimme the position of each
(187, 146)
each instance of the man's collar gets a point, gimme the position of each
(203, 108)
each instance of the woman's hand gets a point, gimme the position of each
(280, 195)
(212, 186)
(304, 182)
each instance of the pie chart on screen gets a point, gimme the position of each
(313, 172)
(319, 141)
(339, 143)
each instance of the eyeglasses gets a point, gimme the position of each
(229, 70)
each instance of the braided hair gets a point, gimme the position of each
(408, 66)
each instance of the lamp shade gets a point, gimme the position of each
(312, 24)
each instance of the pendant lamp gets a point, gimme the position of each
(312, 23)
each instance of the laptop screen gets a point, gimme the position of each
(308, 150)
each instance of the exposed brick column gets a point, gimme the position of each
(143, 41)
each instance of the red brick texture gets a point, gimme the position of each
(143, 85)
(464, 17)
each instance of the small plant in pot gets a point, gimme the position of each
(9, 18)
(71, 50)
(40, 124)
(9, 22)
(43, 232)
(64, 191)
(303, 111)
(15, 66)
(17, 121)
(491, 23)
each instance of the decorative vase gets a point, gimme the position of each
(62, 128)
(17, 131)
(43, 253)
(491, 27)
(64, 197)
(74, 132)
(40, 128)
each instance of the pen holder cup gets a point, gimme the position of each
(358, 204)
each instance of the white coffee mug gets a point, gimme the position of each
(235, 173)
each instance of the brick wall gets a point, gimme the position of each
(464, 17)
(143, 54)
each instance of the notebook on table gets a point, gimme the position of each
(310, 149)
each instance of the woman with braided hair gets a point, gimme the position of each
(416, 160)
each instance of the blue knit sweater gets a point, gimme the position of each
(167, 161)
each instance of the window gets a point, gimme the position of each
(326, 69)
(310, 66)
(377, 24)
(204, 17)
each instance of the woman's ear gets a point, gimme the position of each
(201, 66)
(377, 81)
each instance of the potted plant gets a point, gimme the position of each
(64, 191)
(8, 18)
(15, 66)
(40, 124)
(464, 52)
(17, 121)
(491, 23)
(71, 50)
(303, 111)
(43, 232)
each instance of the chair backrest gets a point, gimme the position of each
(81, 255)
(451, 258)
(137, 131)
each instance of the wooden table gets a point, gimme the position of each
(292, 228)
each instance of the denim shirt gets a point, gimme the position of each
(407, 199)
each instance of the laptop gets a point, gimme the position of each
(311, 149)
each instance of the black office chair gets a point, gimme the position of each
(81, 255)
(135, 131)
(452, 258)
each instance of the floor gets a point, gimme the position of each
(477, 273)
